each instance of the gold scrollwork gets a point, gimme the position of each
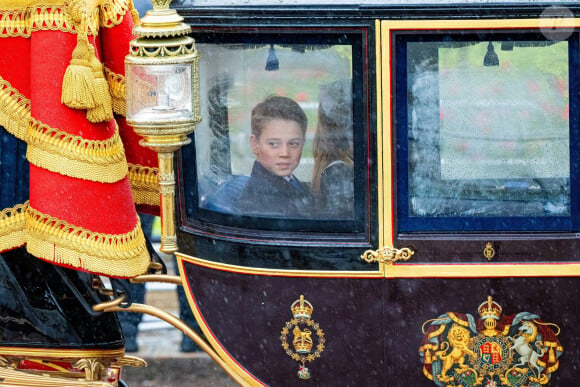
(387, 254)
(180, 47)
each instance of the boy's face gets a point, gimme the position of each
(279, 147)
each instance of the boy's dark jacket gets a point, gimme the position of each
(270, 195)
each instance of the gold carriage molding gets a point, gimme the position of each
(387, 254)
(494, 350)
(302, 326)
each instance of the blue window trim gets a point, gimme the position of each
(417, 224)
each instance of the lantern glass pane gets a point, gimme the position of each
(159, 93)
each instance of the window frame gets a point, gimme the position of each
(455, 248)
(443, 223)
(359, 232)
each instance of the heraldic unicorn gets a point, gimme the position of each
(494, 350)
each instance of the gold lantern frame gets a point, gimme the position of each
(162, 40)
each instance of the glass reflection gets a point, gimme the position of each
(315, 77)
(278, 131)
(488, 140)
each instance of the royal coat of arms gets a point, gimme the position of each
(494, 350)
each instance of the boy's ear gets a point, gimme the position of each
(254, 143)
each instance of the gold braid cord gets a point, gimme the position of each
(57, 241)
(113, 11)
(56, 150)
(84, 86)
(70, 155)
(118, 91)
(144, 184)
(12, 227)
(103, 161)
(14, 110)
(19, 18)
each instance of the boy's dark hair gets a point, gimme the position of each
(277, 107)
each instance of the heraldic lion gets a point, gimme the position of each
(458, 341)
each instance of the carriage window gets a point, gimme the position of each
(276, 148)
(484, 129)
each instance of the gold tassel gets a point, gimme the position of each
(78, 82)
(103, 109)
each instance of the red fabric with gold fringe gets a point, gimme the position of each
(87, 173)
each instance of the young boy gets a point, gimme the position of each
(278, 134)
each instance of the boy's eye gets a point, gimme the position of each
(273, 144)
(294, 144)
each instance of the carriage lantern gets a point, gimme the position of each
(162, 97)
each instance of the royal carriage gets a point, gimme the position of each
(446, 252)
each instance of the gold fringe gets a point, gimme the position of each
(118, 90)
(20, 4)
(78, 84)
(60, 242)
(147, 197)
(19, 18)
(112, 12)
(144, 184)
(103, 110)
(70, 155)
(21, 21)
(14, 110)
(13, 227)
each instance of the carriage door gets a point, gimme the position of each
(273, 267)
(480, 191)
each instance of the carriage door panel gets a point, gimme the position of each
(273, 269)
(480, 202)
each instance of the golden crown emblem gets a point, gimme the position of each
(302, 340)
(489, 309)
(301, 308)
(308, 340)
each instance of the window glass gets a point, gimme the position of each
(296, 161)
(487, 135)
